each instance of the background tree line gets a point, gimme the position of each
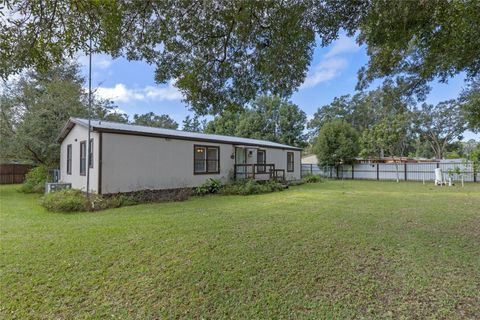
(382, 122)
(387, 122)
(34, 108)
(240, 61)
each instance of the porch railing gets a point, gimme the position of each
(258, 171)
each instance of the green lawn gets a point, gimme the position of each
(328, 250)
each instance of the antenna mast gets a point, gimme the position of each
(89, 144)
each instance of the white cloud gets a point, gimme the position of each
(117, 110)
(99, 61)
(121, 93)
(166, 93)
(102, 61)
(343, 45)
(331, 65)
(324, 71)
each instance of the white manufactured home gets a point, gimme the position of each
(125, 158)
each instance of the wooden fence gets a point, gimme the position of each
(13, 173)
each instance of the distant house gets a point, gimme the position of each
(124, 158)
(310, 159)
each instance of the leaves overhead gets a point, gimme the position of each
(221, 54)
(418, 41)
(470, 101)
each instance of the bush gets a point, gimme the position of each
(296, 183)
(121, 200)
(145, 196)
(311, 178)
(208, 187)
(72, 200)
(250, 186)
(35, 180)
(66, 200)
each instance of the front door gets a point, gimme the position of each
(240, 158)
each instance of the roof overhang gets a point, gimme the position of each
(174, 137)
(73, 121)
(247, 147)
(65, 130)
(68, 127)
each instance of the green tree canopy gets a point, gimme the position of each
(439, 125)
(150, 119)
(337, 143)
(470, 100)
(269, 118)
(391, 135)
(364, 109)
(225, 124)
(194, 124)
(36, 107)
(225, 53)
(418, 41)
(221, 53)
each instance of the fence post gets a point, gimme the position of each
(353, 170)
(378, 172)
(474, 171)
(405, 171)
(311, 168)
(337, 171)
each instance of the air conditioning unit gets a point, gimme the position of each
(55, 186)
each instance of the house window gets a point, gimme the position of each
(206, 159)
(290, 162)
(83, 158)
(261, 159)
(90, 154)
(69, 159)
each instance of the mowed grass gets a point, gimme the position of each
(328, 250)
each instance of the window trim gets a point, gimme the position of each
(259, 165)
(293, 161)
(206, 147)
(83, 142)
(69, 158)
(90, 154)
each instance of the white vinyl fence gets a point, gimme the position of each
(424, 171)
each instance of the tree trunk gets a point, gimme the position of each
(396, 168)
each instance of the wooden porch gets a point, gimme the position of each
(258, 172)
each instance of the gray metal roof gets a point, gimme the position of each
(115, 127)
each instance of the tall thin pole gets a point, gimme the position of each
(89, 113)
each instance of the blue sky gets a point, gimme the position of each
(333, 72)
